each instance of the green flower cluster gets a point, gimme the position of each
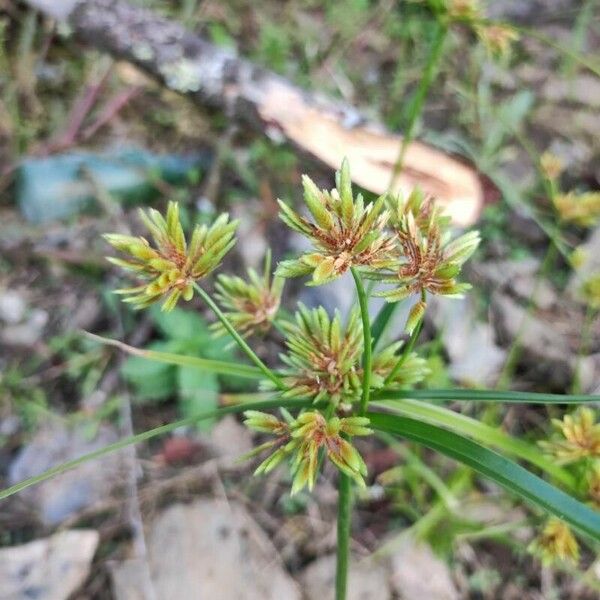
(171, 268)
(302, 438)
(344, 232)
(323, 359)
(250, 305)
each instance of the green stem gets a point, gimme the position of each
(409, 346)
(343, 535)
(367, 350)
(516, 348)
(238, 338)
(416, 106)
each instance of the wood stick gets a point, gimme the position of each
(216, 77)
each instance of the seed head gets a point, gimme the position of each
(593, 484)
(555, 544)
(551, 165)
(323, 359)
(578, 437)
(302, 439)
(427, 260)
(590, 291)
(344, 232)
(250, 305)
(171, 268)
(580, 209)
(497, 38)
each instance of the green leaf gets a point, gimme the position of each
(152, 433)
(214, 366)
(439, 415)
(452, 395)
(181, 324)
(496, 467)
(151, 380)
(198, 392)
(381, 321)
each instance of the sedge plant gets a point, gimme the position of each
(334, 382)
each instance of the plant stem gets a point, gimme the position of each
(416, 106)
(409, 346)
(343, 535)
(367, 350)
(238, 338)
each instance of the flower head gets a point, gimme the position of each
(323, 358)
(463, 10)
(581, 209)
(578, 437)
(250, 305)
(497, 38)
(302, 439)
(551, 165)
(593, 484)
(428, 260)
(344, 232)
(323, 361)
(555, 544)
(171, 268)
(590, 291)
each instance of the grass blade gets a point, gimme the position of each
(503, 471)
(151, 433)
(214, 366)
(464, 425)
(486, 396)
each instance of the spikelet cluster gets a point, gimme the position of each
(580, 209)
(323, 359)
(250, 305)
(172, 266)
(344, 232)
(301, 439)
(577, 437)
(556, 544)
(428, 260)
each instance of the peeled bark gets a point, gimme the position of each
(326, 129)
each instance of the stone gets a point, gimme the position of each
(12, 307)
(47, 569)
(367, 580)
(230, 439)
(209, 549)
(475, 358)
(62, 496)
(545, 351)
(418, 574)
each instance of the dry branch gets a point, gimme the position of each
(326, 129)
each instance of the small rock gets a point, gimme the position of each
(64, 495)
(206, 550)
(367, 580)
(47, 569)
(518, 278)
(28, 332)
(417, 574)
(584, 89)
(12, 307)
(475, 359)
(545, 351)
(230, 439)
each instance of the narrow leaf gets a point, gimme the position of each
(503, 471)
